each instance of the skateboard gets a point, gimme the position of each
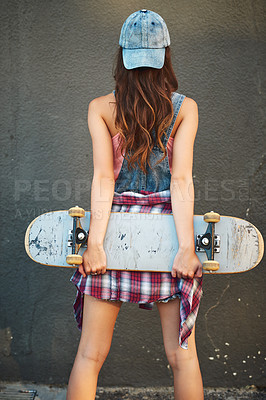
(145, 242)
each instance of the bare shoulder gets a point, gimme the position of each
(104, 107)
(102, 104)
(188, 110)
(188, 107)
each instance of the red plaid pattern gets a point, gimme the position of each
(141, 287)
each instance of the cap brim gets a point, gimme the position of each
(136, 58)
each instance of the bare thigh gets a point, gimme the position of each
(98, 322)
(170, 320)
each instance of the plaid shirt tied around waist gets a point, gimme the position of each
(142, 287)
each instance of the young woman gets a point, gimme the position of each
(143, 135)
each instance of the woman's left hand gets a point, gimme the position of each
(94, 260)
(186, 265)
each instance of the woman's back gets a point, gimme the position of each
(107, 107)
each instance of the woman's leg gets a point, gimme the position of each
(98, 322)
(184, 363)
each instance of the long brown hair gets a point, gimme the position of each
(143, 103)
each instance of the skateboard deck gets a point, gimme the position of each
(145, 242)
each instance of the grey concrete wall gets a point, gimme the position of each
(56, 57)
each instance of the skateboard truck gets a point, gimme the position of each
(77, 236)
(209, 242)
(81, 236)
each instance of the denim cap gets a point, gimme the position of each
(144, 36)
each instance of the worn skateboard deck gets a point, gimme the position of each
(145, 242)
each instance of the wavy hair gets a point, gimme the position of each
(143, 103)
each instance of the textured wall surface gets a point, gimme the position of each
(56, 57)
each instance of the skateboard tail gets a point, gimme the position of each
(27, 235)
(36, 247)
(260, 247)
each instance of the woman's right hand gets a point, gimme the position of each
(94, 260)
(186, 264)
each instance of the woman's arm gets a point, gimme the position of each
(102, 189)
(182, 192)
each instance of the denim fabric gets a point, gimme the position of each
(158, 177)
(144, 36)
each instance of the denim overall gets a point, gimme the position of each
(158, 177)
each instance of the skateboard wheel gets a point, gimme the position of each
(74, 259)
(76, 212)
(211, 217)
(210, 265)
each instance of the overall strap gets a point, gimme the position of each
(177, 100)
